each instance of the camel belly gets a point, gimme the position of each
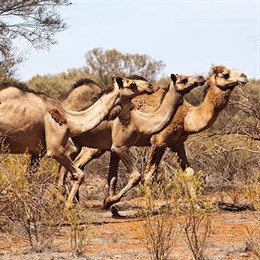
(143, 140)
(20, 128)
(95, 138)
(20, 142)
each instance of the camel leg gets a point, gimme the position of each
(60, 149)
(77, 174)
(112, 181)
(153, 162)
(112, 175)
(81, 159)
(64, 159)
(72, 152)
(181, 153)
(84, 157)
(185, 166)
(87, 155)
(134, 179)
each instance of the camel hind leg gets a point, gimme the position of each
(181, 153)
(113, 173)
(153, 163)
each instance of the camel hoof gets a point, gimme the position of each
(115, 213)
(107, 203)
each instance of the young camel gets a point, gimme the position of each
(131, 128)
(35, 122)
(191, 119)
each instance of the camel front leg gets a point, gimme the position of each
(64, 159)
(153, 163)
(84, 157)
(134, 178)
(72, 152)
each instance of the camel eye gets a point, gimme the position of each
(133, 85)
(225, 75)
(184, 81)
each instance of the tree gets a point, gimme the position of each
(105, 64)
(35, 21)
(58, 84)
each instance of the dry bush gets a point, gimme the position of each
(80, 232)
(226, 160)
(252, 193)
(253, 239)
(161, 225)
(197, 230)
(175, 194)
(27, 211)
(197, 212)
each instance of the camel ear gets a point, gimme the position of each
(214, 70)
(173, 78)
(119, 81)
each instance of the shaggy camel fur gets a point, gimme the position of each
(34, 122)
(131, 128)
(191, 120)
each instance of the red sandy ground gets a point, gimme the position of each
(124, 238)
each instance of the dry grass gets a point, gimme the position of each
(27, 210)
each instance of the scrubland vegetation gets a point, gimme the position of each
(225, 157)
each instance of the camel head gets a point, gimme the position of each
(226, 79)
(133, 86)
(184, 84)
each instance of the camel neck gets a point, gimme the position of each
(83, 121)
(202, 117)
(152, 123)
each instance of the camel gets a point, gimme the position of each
(190, 119)
(36, 123)
(130, 128)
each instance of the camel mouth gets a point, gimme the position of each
(201, 83)
(229, 86)
(149, 91)
(243, 82)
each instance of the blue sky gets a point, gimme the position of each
(189, 36)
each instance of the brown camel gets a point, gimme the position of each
(191, 119)
(34, 122)
(130, 128)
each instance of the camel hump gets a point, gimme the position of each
(85, 81)
(88, 85)
(18, 85)
(137, 77)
